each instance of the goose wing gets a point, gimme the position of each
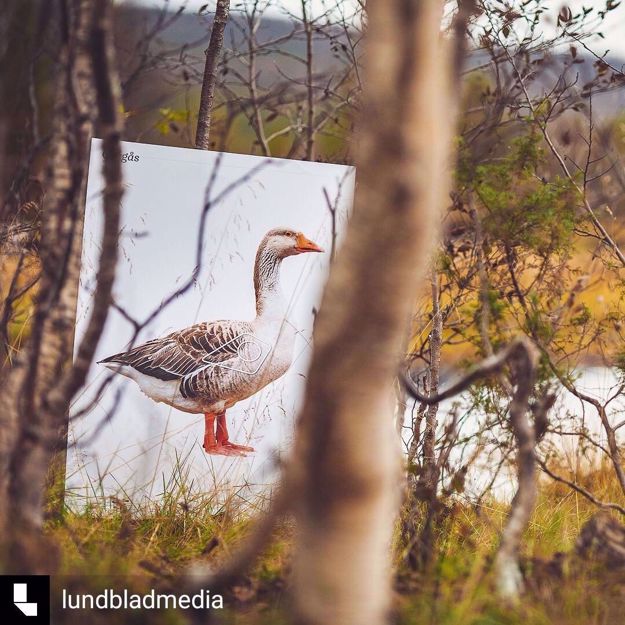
(186, 352)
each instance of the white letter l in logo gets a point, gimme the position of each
(19, 598)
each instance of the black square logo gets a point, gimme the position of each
(26, 598)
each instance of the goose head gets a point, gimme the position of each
(283, 242)
(277, 244)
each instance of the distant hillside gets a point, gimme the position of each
(161, 85)
(193, 30)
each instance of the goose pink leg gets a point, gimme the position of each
(222, 436)
(211, 445)
(220, 445)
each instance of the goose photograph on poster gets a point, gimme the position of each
(202, 363)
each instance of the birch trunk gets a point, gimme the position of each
(38, 390)
(38, 366)
(347, 454)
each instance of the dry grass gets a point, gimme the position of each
(151, 546)
(459, 590)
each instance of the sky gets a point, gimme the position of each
(613, 28)
(273, 6)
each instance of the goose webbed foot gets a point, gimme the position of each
(223, 438)
(243, 448)
(218, 449)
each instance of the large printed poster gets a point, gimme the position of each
(203, 360)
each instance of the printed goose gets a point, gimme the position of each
(210, 366)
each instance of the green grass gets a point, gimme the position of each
(154, 544)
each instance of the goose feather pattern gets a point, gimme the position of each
(210, 366)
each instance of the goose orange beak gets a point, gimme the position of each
(306, 245)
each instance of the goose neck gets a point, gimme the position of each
(267, 281)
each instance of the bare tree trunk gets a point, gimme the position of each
(310, 105)
(347, 467)
(484, 313)
(522, 356)
(216, 42)
(44, 381)
(508, 574)
(423, 550)
(430, 474)
(50, 345)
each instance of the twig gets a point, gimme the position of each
(489, 366)
(580, 489)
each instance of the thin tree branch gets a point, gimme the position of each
(222, 11)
